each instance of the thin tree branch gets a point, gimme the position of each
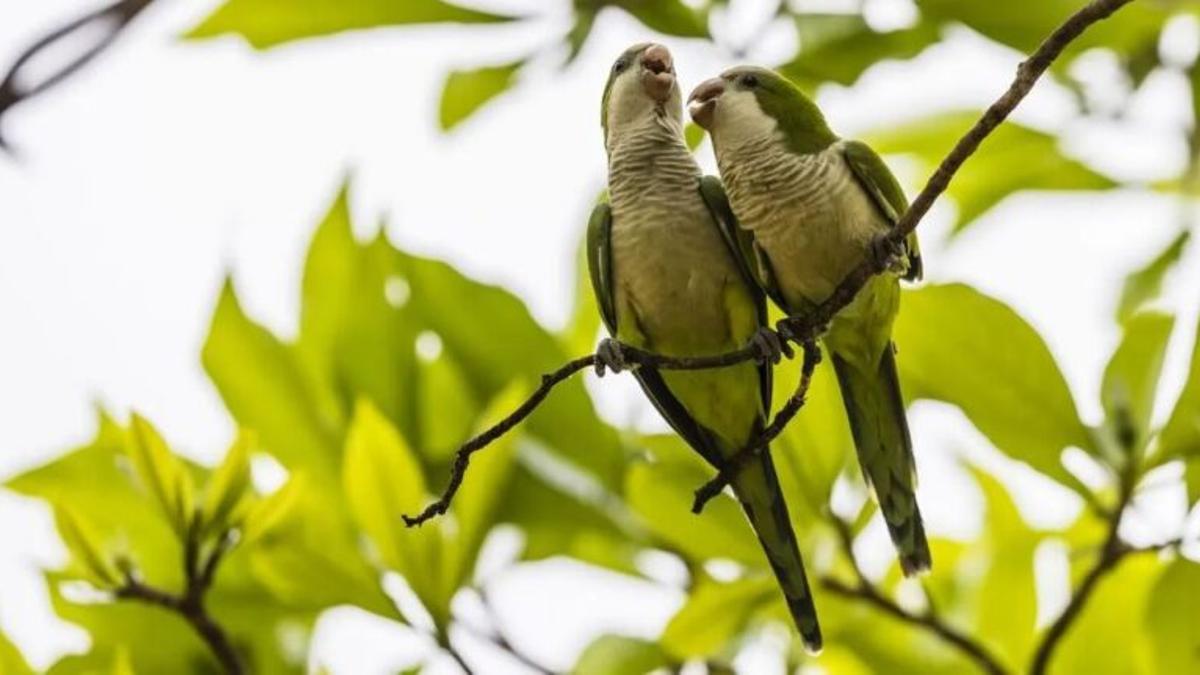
(495, 634)
(863, 590)
(706, 492)
(190, 605)
(1111, 553)
(805, 328)
(114, 17)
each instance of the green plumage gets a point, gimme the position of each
(809, 230)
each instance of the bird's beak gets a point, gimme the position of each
(658, 72)
(703, 102)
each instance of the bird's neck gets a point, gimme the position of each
(649, 157)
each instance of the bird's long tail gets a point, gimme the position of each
(875, 409)
(757, 488)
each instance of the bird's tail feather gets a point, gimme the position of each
(875, 409)
(757, 488)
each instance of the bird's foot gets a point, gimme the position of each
(886, 253)
(796, 329)
(609, 357)
(769, 347)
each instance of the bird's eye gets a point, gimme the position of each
(749, 81)
(620, 65)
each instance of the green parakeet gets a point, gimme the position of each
(816, 204)
(661, 253)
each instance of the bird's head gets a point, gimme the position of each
(641, 82)
(748, 103)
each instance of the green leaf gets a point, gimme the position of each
(1011, 159)
(1131, 377)
(266, 23)
(1181, 435)
(662, 495)
(1171, 619)
(1023, 24)
(714, 615)
(11, 661)
(620, 655)
(1191, 480)
(383, 482)
(693, 135)
(466, 91)
(841, 47)
(1144, 284)
(1106, 637)
(266, 389)
(273, 511)
(994, 367)
(446, 406)
(228, 484)
(162, 474)
(81, 540)
(475, 507)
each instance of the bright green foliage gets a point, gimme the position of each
(1181, 435)
(86, 552)
(466, 91)
(1171, 619)
(840, 47)
(960, 346)
(620, 655)
(715, 614)
(1106, 639)
(266, 23)
(162, 475)
(1145, 283)
(1131, 379)
(12, 663)
(1012, 158)
(228, 484)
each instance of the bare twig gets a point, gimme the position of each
(706, 492)
(1112, 552)
(190, 604)
(113, 17)
(805, 328)
(863, 590)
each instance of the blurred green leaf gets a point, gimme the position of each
(1013, 158)
(266, 23)
(662, 494)
(11, 661)
(840, 47)
(715, 614)
(994, 367)
(1131, 378)
(1023, 24)
(1106, 637)
(1007, 601)
(162, 474)
(475, 505)
(1191, 480)
(383, 482)
(273, 510)
(229, 483)
(81, 539)
(1144, 284)
(446, 406)
(669, 17)
(466, 91)
(1171, 619)
(266, 389)
(1181, 435)
(620, 655)
(693, 135)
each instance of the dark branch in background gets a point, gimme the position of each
(804, 329)
(114, 18)
(200, 573)
(496, 637)
(862, 589)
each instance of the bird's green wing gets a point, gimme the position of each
(599, 258)
(600, 269)
(878, 182)
(743, 249)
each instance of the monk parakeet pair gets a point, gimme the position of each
(674, 272)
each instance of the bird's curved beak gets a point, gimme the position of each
(702, 104)
(658, 72)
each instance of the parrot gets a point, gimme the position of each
(662, 263)
(815, 206)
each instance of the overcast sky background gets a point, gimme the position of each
(165, 165)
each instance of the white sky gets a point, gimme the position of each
(165, 164)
